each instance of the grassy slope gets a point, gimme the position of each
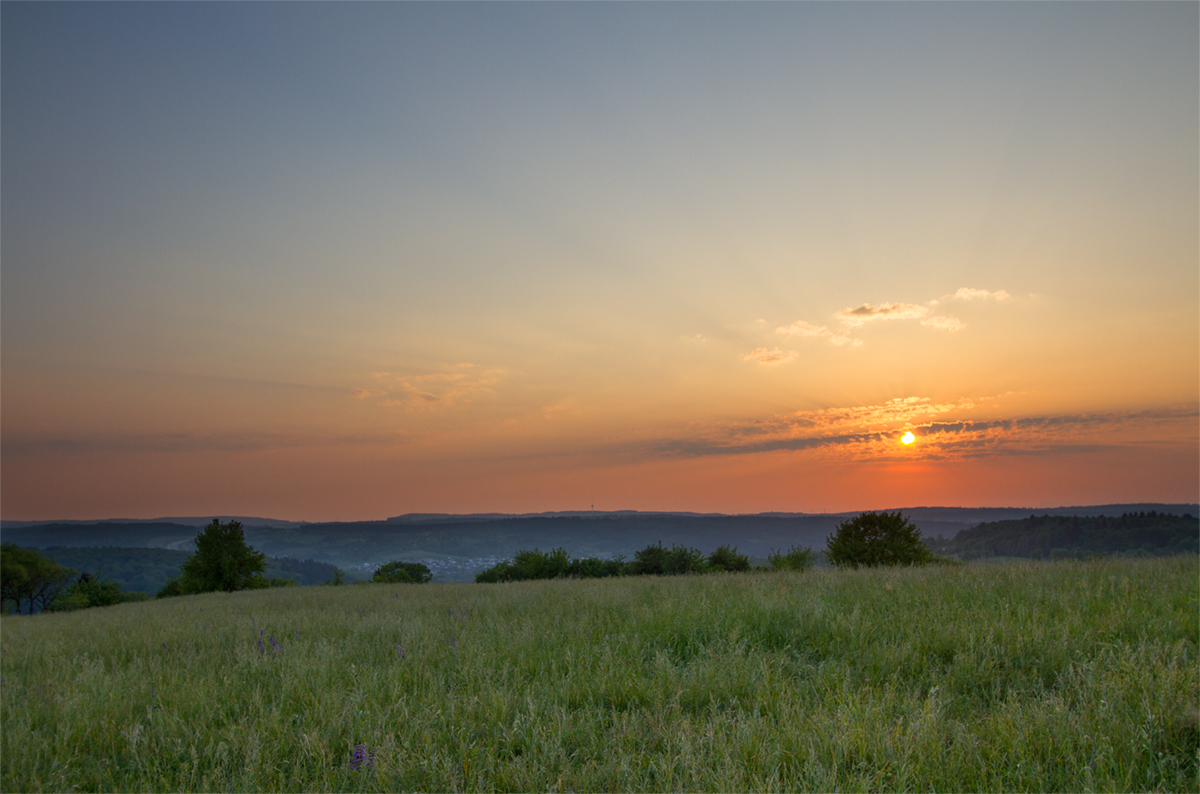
(1052, 676)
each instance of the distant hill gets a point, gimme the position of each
(187, 521)
(147, 570)
(1144, 532)
(356, 546)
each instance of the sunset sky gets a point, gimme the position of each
(347, 261)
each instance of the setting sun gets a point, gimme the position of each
(908, 437)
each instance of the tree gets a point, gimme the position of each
(222, 561)
(26, 574)
(874, 539)
(399, 571)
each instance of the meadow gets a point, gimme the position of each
(1032, 676)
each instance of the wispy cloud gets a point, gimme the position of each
(853, 318)
(871, 432)
(944, 323)
(970, 294)
(770, 357)
(801, 328)
(454, 384)
(105, 443)
(866, 313)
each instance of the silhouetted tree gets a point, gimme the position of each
(222, 561)
(26, 575)
(874, 539)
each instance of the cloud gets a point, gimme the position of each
(861, 315)
(801, 328)
(940, 323)
(871, 432)
(970, 294)
(857, 316)
(770, 357)
(451, 384)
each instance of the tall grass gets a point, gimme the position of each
(1028, 677)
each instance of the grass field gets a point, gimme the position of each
(1026, 677)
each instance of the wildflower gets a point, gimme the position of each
(274, 645)
(261, 649)
(400, 650)
(361, 757)
(296, 633)
(453, 642)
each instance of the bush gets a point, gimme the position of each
(727, 559)
(171, 588)
(657, 561)
(796, 559)
(87, 591)
(68, 602)
(596, 568)
(403, 572)
(874, 539)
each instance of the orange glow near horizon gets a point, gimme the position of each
(518, 258)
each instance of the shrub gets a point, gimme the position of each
(657, 561)
(87, 591)
(403, 572)
(874, 539)
(171, 588)
(68, 602)
(595, 568)
(727, 559)
(796, 559)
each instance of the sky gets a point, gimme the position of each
(349, 261)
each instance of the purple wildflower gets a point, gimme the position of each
(361, 757)
(261, 649)
(453, 642)
(400, 650)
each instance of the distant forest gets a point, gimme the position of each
(147, 570)
(1038, 537)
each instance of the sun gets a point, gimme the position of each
(908, 437)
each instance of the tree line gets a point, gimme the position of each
(31, 581)
(223, 561)
(1037, 537)
(868, 540)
